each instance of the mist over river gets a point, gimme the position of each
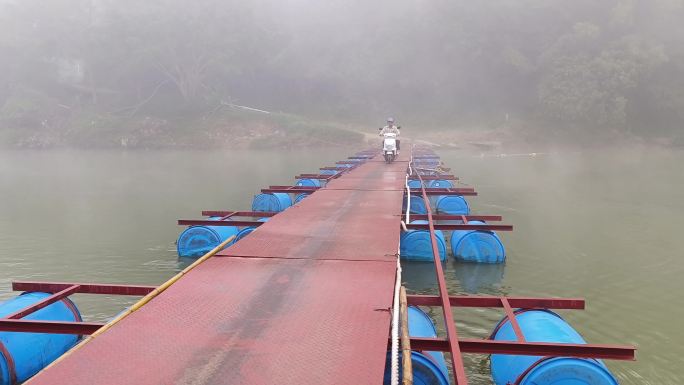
(601, 225)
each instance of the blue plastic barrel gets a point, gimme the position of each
(414, 184)
(31, 352)
(452, 205)
(417, 205)
(545, 326)
(440, 183)
(428, 163)
(309, 182)
(416, 245)
(299, 197)
(428, 368)
(275, 202)
(248, 230)
(195, 241)
(481, 246)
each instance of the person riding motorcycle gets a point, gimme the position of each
(391, 128)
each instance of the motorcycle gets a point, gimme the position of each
(389, 147)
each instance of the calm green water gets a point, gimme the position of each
(604, 226)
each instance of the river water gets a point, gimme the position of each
(604, 226)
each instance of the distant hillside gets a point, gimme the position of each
(574, 72)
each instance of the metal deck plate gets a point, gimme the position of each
(248, 321)
(330, 224)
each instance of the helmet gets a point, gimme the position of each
(390, 120)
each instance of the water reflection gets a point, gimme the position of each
(478, 277)
(184, 262)
(419, 277)
(473, 278)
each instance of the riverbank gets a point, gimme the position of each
(237, 128)
(529, 137)
(225, 128)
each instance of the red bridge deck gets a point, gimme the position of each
(303, 300)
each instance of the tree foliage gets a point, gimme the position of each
(581, 66)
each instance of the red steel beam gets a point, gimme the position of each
(447, 217)
(317, 176)
(465, 194)
(468, 191)
(420, 226)
(511, 318)
(43, 303)
(449, 189)
(289, 189)
(452, 335)
(83, 288)
(612, 352)
(308, 188)
(207, 222)
(433, 177)
(222, 213)
(52, 327)
(495, 302)
(224, 217)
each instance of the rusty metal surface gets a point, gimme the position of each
(84, 288)
(359, 221)
(467, 345)
(248, 321)
(56, 327)
(330, 224)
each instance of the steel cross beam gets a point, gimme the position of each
(464, 218)
(511, 318)
(209, 222)
(83, 288)
(434, 177)
(458, 226)
(325, 177)
(224, 213)
(289, 189)
(51, 327)
(613, 352)
(464, 191)
(495, 302)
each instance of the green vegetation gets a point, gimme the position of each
(170, 72)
